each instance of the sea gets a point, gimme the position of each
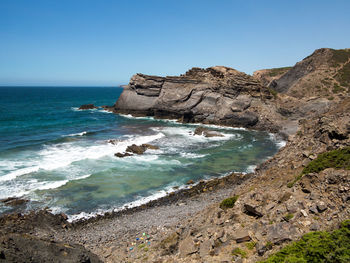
(60, 157)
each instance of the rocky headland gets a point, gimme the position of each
(239, 218)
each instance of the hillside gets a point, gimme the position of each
(325, 73)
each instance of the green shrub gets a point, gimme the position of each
(278, 71)
(340, 56)
(228, 202)
(343, 75)
(339, 159)
(273, 92)
(250, 245)
(317, 247)
(239, 252)
(288, 217)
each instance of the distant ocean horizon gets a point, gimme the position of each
(58, 156)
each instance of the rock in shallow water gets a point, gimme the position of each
(87, 107)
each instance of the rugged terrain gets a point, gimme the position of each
(282, 200)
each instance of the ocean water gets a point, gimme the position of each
(59, 157)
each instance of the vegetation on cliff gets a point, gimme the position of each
(278, 71)
(228, 202)
(338, 159)
(320, 246)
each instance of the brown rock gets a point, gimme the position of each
(241, 236)
(251, 210)
(187, 247)
(190, 182)
(13, 201)
(87, 107)
(121, 155)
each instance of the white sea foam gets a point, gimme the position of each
(276, 139)
(192, 155)
(78, 134)
(175, 121)
(12, 175)
(189, 134)
(62, 155)
(250, 169)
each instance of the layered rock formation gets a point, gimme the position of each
(272, 99)
(218, 95)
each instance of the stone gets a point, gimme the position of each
(187, 247)
(87, 107)
(136, 149)
(321, 206)
(281, 232)
(140, 149)
(313, 209)
(303, 212)
(205, 248)
(121, 155)
(251, 210)
(241, 236)
(14, 201)
(315, 226)
(190, 182)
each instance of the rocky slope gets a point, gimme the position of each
(269, 211)
(325, 73)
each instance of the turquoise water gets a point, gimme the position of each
(58, 156)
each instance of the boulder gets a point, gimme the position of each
(187, 247)
(122, 155)
(252, 211)
(241, 236)
(140, 149)
(26, 248)
(14, 201)
(87, 107)
(281, 232)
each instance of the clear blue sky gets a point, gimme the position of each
(100, 42)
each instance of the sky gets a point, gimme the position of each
(105, 42)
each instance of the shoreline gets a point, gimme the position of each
(210, 185)
(176, 193)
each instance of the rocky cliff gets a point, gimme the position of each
(271, 99)
(217, 95)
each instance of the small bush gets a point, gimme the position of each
(278, 71)
(320, 246)
(228, 202)
(273, 92)
(251, 245)
(239, 252)
(338, 159)
(269, 245)
(288, 217)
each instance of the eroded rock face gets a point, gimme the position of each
(218, 95)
